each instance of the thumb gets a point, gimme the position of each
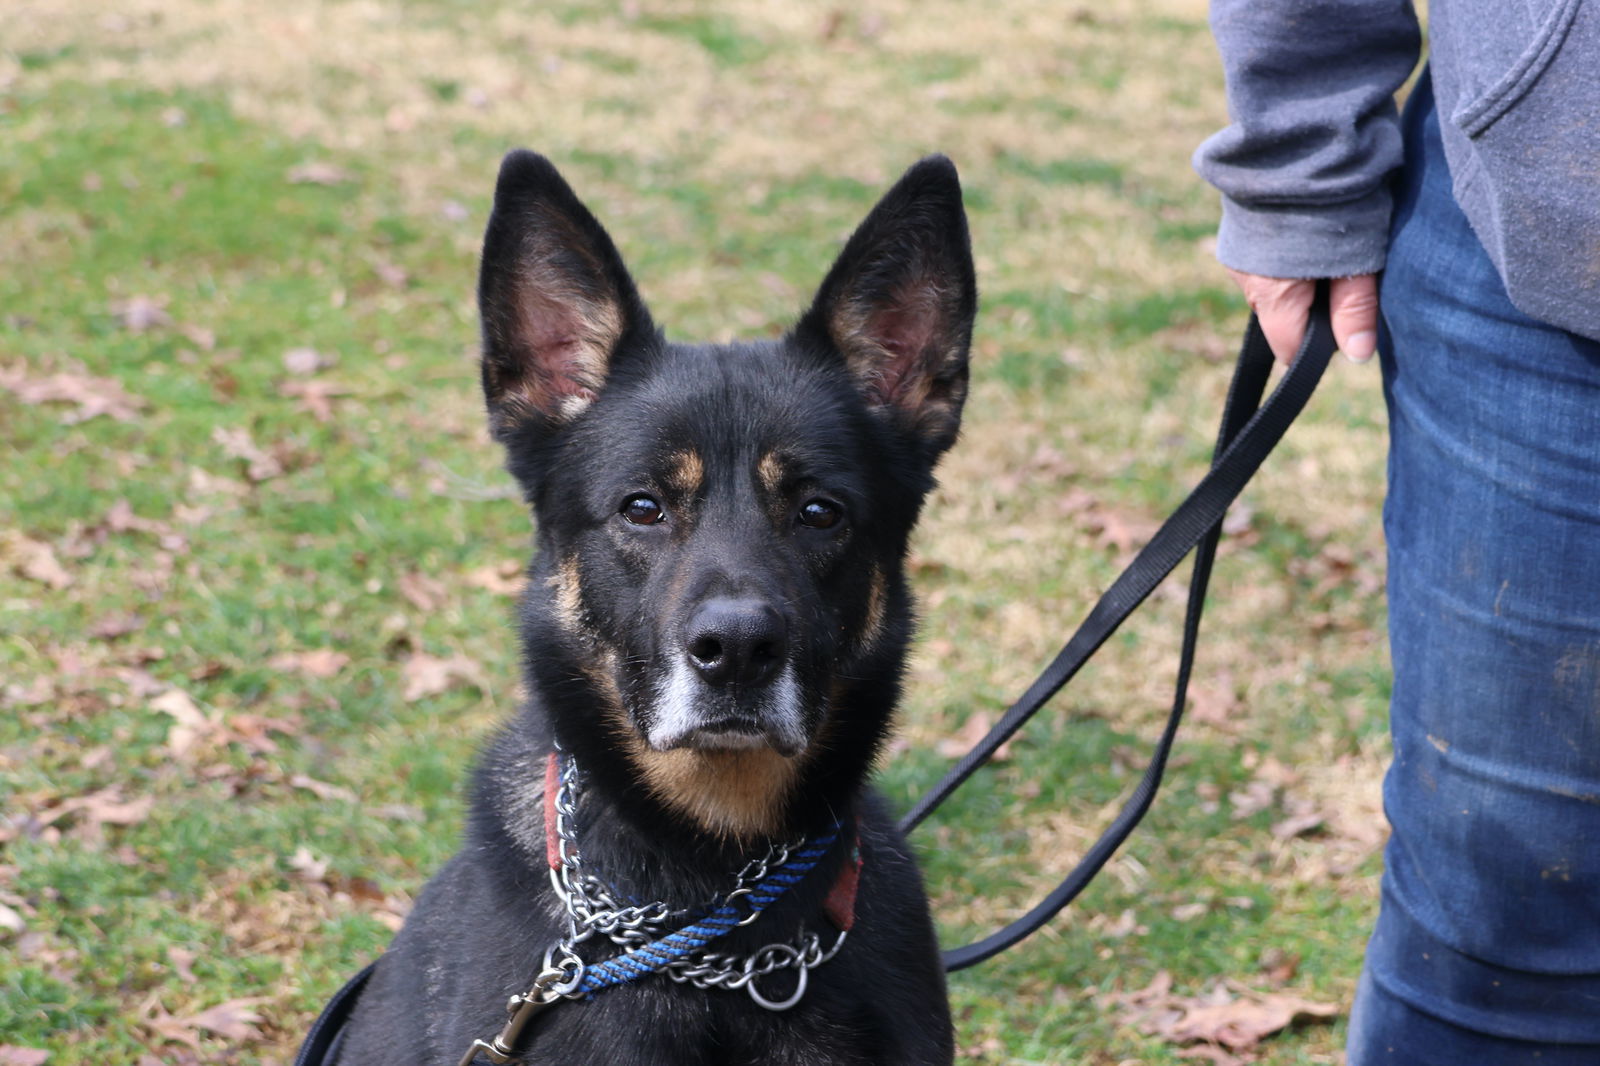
(1353, 306)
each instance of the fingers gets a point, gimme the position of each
(1353, 303)
(1282, 305)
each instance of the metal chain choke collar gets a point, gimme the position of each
(592, 906)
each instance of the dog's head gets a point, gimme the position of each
(719, 597)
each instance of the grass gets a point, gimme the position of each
(316, 177)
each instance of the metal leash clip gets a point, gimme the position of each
(553, 984)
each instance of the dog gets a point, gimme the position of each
(714, 633)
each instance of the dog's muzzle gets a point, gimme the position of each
(731, 686)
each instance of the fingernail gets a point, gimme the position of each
(1360, 347)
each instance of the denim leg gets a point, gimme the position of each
(1487, 948)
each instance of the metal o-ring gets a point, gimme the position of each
(800, 981)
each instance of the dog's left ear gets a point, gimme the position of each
(899, 304)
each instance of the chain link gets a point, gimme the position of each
(593, 906)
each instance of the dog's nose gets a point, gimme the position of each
(737, 641)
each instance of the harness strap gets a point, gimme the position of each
(1247, 435)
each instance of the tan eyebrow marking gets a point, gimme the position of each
(771, 471)
(687, 474)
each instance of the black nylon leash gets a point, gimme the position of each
(1249, 432)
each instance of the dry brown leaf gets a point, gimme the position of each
(12, 1055)
(315, 396)
(426, 594)
(321, 789)
(1215, 1016)
(307, 866)
(1211, 1054)
(235, 1021)
(11, 921)
(201, 337)
(1244, 1022)
(317, 173)
(318, 662)
(974, 729)
(1123, 530)
(428, 675)
(141, 313)
(189, 722)
(391, 273)
(304, 361)
(250, 730)
(1213, 702)
(1279, 966)
(237, 443)
(208, 484)
(100, 808)
(1256, 796)
(32, 559)
(116, 626)
(1298, 825)
(502, 579)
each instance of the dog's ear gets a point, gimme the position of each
(899, 304)
(555, 300)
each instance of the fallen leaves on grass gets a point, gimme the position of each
(317, 172)
(32, 559)
(340, 888)
(322, 789)
(193, 728)
(236, 1021)
(502, 579)
(189, 722)
(304, 361)
(237, 443)
(974, 729)
(90, 396)
(84, 817)
(316, 396)
(12, 1055)
(428, 675)
(139, 314)
(317, 662)
(426, 594)
(1226, 1017)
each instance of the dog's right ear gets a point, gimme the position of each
(555, 300)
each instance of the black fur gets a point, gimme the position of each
(783, 632)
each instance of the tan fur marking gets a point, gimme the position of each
(877, 608)
(738, 794)
(688, 473)
(770, 470)
(568, 599)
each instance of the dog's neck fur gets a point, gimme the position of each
(670, 861)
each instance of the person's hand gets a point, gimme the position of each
(1284, 306)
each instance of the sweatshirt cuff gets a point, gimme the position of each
(1302, 241)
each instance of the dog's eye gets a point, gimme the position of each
(642, 510)
(819, 514)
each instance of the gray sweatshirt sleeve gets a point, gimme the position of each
(1303, 169)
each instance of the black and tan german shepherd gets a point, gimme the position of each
(714, 634)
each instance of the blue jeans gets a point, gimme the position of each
(1487, 947)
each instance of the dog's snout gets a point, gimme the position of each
(736, 641)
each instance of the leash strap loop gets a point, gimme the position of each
(1249, 432)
